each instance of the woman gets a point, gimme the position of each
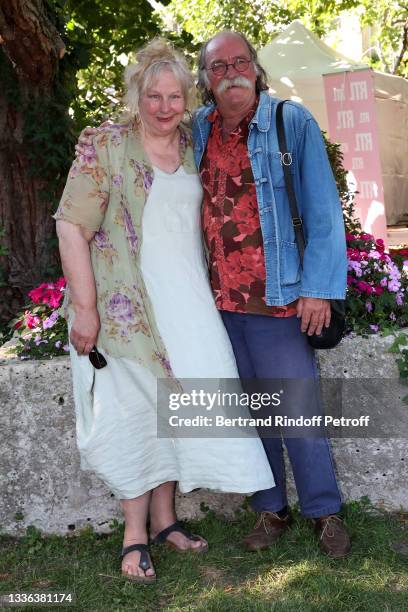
(130, 242)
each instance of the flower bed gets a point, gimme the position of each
(377, 299)
(41, 330)
(377, 283)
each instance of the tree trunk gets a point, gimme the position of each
(29, 62)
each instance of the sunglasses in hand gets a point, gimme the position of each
(97, 359)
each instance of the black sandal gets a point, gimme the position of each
(144, 563)
(161, 538)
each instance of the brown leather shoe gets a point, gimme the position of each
(268, 529)
(334, 540)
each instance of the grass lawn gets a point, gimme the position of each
(291, 576)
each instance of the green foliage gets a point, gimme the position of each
(40, 330)
(101, 34)
(377, 298)
(39, 342)
(261, 20)
(290, 576)
(335, 156)
(204, 18)
(400, 348)
(389, 40)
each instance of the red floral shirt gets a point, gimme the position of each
(232, 226)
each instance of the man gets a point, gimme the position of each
(268, 304)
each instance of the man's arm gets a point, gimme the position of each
(325, 262)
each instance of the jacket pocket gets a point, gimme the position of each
(275, 164)
(289, 263)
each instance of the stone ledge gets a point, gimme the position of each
(42, 485)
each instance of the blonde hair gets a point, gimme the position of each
(156, 56)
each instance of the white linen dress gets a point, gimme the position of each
(116, 407)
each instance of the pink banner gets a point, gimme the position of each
(352, 122)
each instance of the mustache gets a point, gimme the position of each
(238, 81)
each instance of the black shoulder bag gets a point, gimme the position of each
(330, 336)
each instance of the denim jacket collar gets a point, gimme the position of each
(262, 115)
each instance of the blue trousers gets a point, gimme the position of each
(271, 348)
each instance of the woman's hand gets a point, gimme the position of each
(85, 330)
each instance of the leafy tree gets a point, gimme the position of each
(261, 20)
(60, 67)
(389, 21)
(101, 36)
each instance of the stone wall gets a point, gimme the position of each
(41, 483)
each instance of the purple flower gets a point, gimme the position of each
(130, 230)
(101, 240)
(369, 306)
(393, 317)
(356, 267)
(50, 322)
(38, 341)
(120, 308)
(58, 344)
(66, 348)
(394, 285)
(384, 281)
(117, 179)
(375, 328)
(116, 137)
(147, 176)
(399, 298)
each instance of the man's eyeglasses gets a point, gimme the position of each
(97, 359)
(220, 68)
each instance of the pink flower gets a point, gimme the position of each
(36, 294)
(60, 283)
(379, 243)
(32, 321)
(364, 287)
(48, 293)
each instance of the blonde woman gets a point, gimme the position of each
(140, 308)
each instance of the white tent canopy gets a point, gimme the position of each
(296, 61)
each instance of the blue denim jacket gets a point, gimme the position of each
(325, 262)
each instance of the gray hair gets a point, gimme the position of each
(203, 84)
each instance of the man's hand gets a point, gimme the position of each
(85, 331)
(314, 313)
(85, 138)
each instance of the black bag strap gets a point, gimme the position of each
(286, 161)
